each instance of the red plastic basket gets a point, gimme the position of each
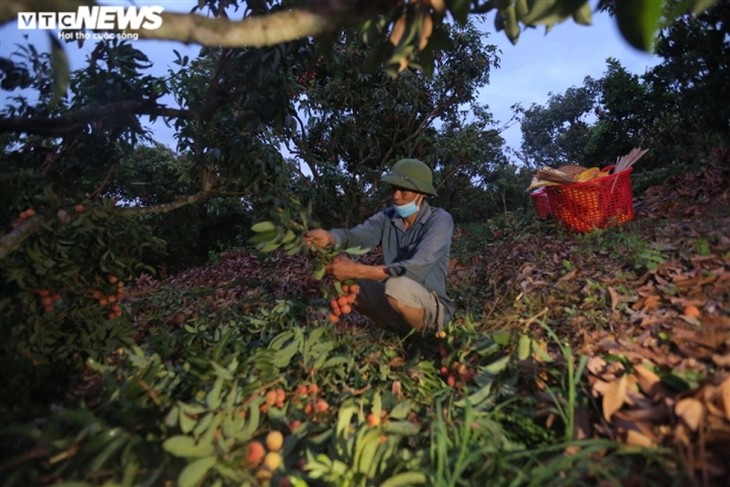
(598, 203)
(541, 203)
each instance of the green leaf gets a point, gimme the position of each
(59, 65)
(318, 272)
(523, 349)
(638, 21)
(335, 361)
(475, 398)
(263, 237)
(541, 354)
(460, 10)
(400, 410)
(214, 396)
(194, 473)
(338, 288)
(539, 11)
(283, 357)
(501, 337)
(270, 247)
(405, 479)
(509, 22)
(377, 405)
(187, 423)
(288, 237)
(253, 419)
(403, 428)
(583, 15)
(344, 417)
(356, 250)
(699, 6)
(497, 366)
(108, 451)
(365, 450)
(185, 446)
(262, 227)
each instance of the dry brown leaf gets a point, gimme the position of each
(635, 438)
(614, 396)
(397, 389)
(650, 302)
(569, 276)
(691, 411)
(615, 299)
(600, 387)
(396, 362)
(724, 389)
(595, 365)
(648, 381)
(654, 414)
(712, 399)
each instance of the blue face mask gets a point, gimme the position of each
(404, 211)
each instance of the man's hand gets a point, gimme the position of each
(319, 238)
(342, 268)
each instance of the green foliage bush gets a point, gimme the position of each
(53, 286)
(183, 401)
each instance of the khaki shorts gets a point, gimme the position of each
(372, 301)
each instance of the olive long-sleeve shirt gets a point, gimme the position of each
(420, 252)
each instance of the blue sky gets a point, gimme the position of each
(541, 64)
(536, 66)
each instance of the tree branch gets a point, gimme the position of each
(167, 207)
(10, 242)
(62, 125)
(261, 31)
(316, 18)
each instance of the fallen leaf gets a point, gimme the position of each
(396, 362)
(397, 389)
(567, 277)
(725, 396)
(595, 365)
(648, 381)
(614, 396)
(691, 411)
(654, 414)
(614, 298)
(635, 438)
(650, 302)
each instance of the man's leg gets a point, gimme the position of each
(414, 317)
(399, 303)
(418, 307)
(372, 302)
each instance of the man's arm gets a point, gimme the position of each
(343, 268)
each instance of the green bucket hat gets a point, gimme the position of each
(411, 174)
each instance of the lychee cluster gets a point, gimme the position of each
(61, 214)
(109, 297)
(455, 374)
(48, 299)
(342, 304)
(274, 398)
(306, 397)
(265, 457)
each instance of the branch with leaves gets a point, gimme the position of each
(74, 121)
